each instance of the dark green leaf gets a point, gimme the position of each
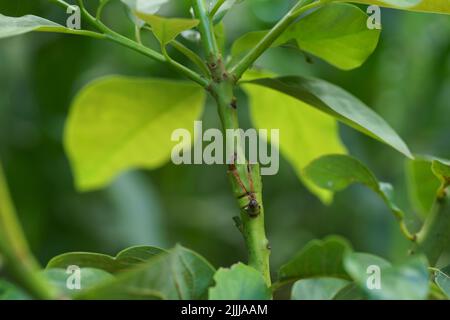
(178, 274)
(338, 103)
(319, 258)
(406, 281)
(350, 292)
(317, 289)
(125, 259)
(89, 277)
(240, 282)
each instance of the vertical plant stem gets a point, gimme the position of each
(245, 178)
(14, 249)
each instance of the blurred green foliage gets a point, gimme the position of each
(407, 81)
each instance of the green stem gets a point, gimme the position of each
(206, 29)
(133, 45)
(14, 249)
(302, 6)
(245, 178)
(216, 8)
(434, 235)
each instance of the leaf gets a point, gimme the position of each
(124, 260)
(13, 26)
(338, 172)
(9, 291)
(442, 279)
(317, 289)
(167, 29)
(350, 292)
(120, 123)
(305, 133)
(338, 103)
(240, 282)
(145, 6)
(406, 281)
(441, 168)
(422, 185)
(319, 258)
(336, 33)
(89, 277)
(178, 274)
(436, 6)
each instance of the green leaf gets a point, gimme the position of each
(338, 172)
(441, 168)
(336, 33)
(120, 123)
(350, 292)
(124, 260)
(317, 289)
(9, 291)
(319, 258)
(422, 185)
(178, 274)
(145, 6)
(13, 26)
(89, 277)
(240, 282)
(338, 103)
(406, 281)
(442, 279)
(305, 133)
(167, 29)
(436, 6)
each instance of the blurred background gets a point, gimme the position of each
(407, 81)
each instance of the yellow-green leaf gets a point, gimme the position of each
(119, 123)
(240, 282)
(167, 29)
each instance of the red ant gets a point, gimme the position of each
(252, 208)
